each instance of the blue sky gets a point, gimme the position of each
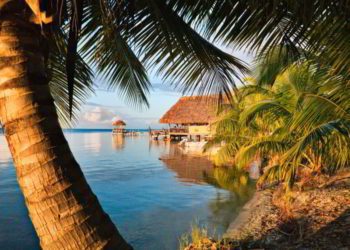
(104, 107)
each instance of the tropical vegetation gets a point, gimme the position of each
(50, 51)
(292, 121)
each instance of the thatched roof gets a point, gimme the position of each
(119, 123)
(191, 110)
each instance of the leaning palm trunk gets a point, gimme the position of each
(64, 211)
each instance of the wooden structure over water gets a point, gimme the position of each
(119, 129)
(191, 117)
(157, 134)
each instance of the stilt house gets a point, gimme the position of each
(191, 117)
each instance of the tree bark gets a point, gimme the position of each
(64, 211)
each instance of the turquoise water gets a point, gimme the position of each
(151, 191)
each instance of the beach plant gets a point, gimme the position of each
(50, 50)
(294, 124)
(195, 237)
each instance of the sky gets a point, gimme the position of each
(104, 107)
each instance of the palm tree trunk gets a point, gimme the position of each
(64, 211)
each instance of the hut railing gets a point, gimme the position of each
(178, 130)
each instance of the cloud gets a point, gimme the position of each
(116, 118)
(98, 117)
(103, 117)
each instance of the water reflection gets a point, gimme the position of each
(188, 169)
(196, 169)
(92, 142)
(160, 145)
(199, 169)
(224, 206)
(241, 188)
(231, 179)
(118, 141)
(152, 201)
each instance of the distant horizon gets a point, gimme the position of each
(110, 128)
(96, 129)
(99, 128)
(103, 107)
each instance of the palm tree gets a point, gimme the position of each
(44, 44)
(62, 207)
(309, 122)
(40, 56)
(295, 123)
(317, 27)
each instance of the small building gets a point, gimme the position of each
(119, 127)
(191, 117)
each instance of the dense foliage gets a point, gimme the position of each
(294, 121)
(122, 40)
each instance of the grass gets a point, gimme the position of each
(199, 238)
(195, 237)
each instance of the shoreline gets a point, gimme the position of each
(257, 207)
(317, 218)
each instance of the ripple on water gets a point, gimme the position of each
(152, 201)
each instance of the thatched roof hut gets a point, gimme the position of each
(191, 110)
(119, 123)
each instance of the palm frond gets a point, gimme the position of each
(108, 50)
(259, 148)
(181, 55)
(271, 107)
(83, 85)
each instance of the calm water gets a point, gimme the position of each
(152, 192)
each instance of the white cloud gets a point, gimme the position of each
(98, 117)
(116, 118)
(101, 116)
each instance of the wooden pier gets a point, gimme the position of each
(172, 134)
(159, 134)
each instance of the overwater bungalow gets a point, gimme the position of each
(119, 127)
(191, 117)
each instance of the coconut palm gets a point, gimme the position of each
(294, 124)
(44, 44)
(318, 27)
(312, 123)
(43, 65)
